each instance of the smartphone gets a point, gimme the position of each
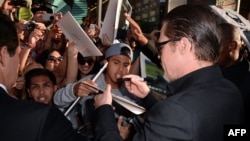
(126, 7)
(92, 26)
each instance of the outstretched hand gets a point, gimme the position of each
(136, 31)
(136, 87)
(82, 89)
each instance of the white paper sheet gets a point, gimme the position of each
(129, 105)
(74, 32)
(237, 20)
(111, 20)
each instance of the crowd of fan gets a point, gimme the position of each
(52, 71)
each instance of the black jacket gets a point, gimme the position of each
(30, 121)
(239, 74)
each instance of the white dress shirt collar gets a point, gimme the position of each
(2, 86)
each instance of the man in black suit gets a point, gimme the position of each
(234, 66)
(25, 120)
(200, 102)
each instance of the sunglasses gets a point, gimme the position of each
(160, 45)
(83, 61)
(54, 59)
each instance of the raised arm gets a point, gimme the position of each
(36, 35)
(145, 45)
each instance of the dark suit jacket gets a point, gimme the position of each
(239, 74)
(30, 121)
(201, 103)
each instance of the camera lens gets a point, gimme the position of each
(30, 26)
(51, 18)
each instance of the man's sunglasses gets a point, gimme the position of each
(54, 59)
(160, 45)
(83, 61)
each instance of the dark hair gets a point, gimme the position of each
(38, 72)
(126, 52)
(95, 69)
(228, 33)
(62, 39)
(42, 58)
(8, 34)
(199, 25)
(79, 57)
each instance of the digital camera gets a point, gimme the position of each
(48, 17)
(30, 25)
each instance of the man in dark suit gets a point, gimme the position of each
(234, 66)
(200, 102)
(25, 120)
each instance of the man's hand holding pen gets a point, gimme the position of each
(136, 85)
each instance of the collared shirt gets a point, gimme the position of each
(5, 89)
(2, 86)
